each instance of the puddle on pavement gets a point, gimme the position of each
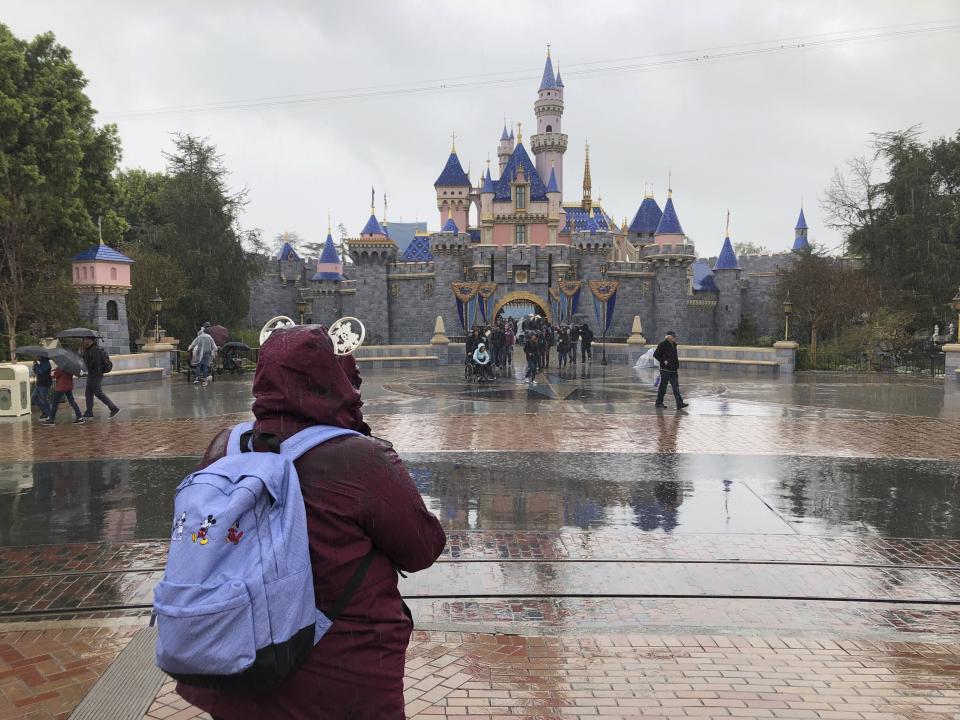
(69, 502)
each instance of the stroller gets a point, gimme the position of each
(232, 360)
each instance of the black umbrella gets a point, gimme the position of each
(78, 332)
(66, 360)
(235, 345)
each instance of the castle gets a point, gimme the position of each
(529, 249)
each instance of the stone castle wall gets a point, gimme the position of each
(399, 301)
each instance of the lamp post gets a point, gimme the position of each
(787, 312)
(302, 308)
(156, 304)
(603, 356)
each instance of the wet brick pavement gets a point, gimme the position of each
(527, 651)
(577, 433)
(488, 677)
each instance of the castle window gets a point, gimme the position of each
(113, 273)
(84, 273)
(112, 311)
(521, 198)
(549, 128)
(521, 235)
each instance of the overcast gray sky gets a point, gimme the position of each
(754, 134)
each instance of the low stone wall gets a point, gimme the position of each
(135, 367)
(741, 360)
(951, 362)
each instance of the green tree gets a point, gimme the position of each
(827, 293)
(201, 216)
(55, 178)
(906, 228)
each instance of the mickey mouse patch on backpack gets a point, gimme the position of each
(234, 534)
(201, 534)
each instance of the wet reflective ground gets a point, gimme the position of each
(572, 506)
(71, 502)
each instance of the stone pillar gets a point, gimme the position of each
(951, 362)
(786, 353)
(439, 333)
(636, 333)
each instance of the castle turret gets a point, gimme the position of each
(549, 144)
(671, 257)
(505, 148)
(554, 207)
(453, 192)
(645, 222)
(800, 241)
(101, 277)
(329, 266)
(372, 254)
(487, 193)
(726, 276)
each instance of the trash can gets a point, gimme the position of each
(14, 390)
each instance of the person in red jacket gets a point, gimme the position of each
(62, 388)
(358, 495)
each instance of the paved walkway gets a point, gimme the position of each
(515, 623)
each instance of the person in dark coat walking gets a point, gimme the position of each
(574, 340)
(666, 355)
(94, 358)
(586, 343)
(41, 391)
(357, 495)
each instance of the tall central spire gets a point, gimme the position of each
(587, 181)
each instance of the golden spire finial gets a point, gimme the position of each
(329, 231)
(453, 143)
(587, 180)
(670, 182)
(519, 132)
(548, 50)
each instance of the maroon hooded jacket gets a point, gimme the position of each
(357, 495)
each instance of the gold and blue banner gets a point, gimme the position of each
(570, 302)
(465, 294)
(604, 300)
(485, 299)
(555, 303)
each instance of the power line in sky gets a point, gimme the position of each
(583, 70)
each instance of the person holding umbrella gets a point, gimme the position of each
(97, 364)
(62, 388)
(41, 391)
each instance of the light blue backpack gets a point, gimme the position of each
(235, 608)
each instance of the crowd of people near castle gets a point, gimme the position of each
(490, 349)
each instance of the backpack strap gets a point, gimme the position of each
(233, 444)
(307, 439)
(340, 604)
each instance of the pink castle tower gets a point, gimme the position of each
(453, 194)
(549, 144)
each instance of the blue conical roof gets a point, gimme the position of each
(800, 243)
(450, 226)
(552, 182)
(801, 221)
(504, 135)
(559, 80)
(418, 250)
(669, 222)
(453, 174)
(519, 158)
(373, 227)
(101, 253)
(728, 258)
(287, 253)
(329, 254)
(549, 81)
(647, 219)
(487, 182)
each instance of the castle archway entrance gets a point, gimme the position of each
(522, 303)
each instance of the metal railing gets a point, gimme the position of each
(907, 363)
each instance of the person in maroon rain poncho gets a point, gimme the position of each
(357, 495)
